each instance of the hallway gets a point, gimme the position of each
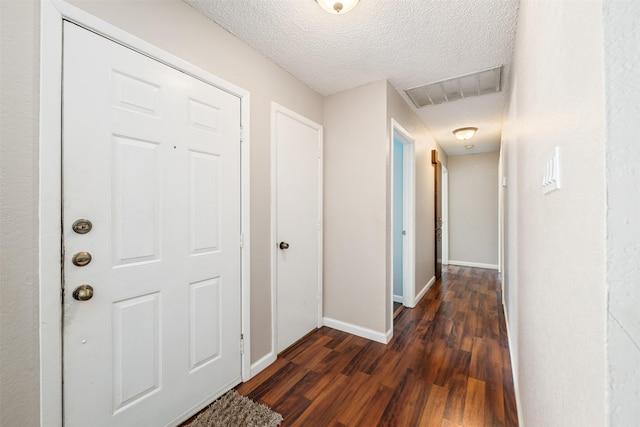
(447, 364)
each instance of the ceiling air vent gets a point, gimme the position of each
(474, 84)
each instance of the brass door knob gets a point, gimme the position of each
(83, 293)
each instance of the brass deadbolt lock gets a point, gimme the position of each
(81, 259)
(82, 226)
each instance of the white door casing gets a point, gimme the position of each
(297, 222)
(445, 215)
(152, 157)
(408, 209)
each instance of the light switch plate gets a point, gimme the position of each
(551, 173)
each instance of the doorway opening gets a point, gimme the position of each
(398, 222)
(437, 203)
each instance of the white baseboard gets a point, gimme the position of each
(360, 331)
(474, 264)
(263, 363)
(514, 367)
(425, 289)
(398, 298)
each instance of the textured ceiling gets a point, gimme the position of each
(408, 42)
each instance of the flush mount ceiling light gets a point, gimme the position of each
(465, 133)
(337, 7)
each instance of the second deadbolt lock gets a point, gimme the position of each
(81, 259)
(82, 226)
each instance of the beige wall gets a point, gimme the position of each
(473, 209)
(355, 180)
(357, 267)
(19, 67)
(181, 30)
(555, 259)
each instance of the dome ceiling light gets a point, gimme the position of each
(337, 7)
(465, 133)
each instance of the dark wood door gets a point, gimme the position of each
(437, 171)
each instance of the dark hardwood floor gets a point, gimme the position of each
(447, 365)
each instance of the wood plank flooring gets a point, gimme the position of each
(447, 365)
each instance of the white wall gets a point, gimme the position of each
(19, 376)
(473, 209)
(622, 89)
(555, 258)
(509, 273)
(355, 205)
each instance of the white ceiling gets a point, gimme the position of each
(408, 42)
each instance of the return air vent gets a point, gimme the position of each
(466, 86)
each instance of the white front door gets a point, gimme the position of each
(151, 157)
(298, 165)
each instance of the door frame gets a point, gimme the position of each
(52, 14)
(445, 215)
(275, 109)
(409, 217)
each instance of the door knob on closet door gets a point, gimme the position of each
(284, 245)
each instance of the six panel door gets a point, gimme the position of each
(151, 157)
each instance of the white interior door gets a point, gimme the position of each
(298, 228)
(151, 157)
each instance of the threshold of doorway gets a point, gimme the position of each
(397, 309)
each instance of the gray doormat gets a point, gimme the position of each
(234, 410)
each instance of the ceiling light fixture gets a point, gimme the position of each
(337, 7)
(465, 133)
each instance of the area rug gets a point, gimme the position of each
(234, 410)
